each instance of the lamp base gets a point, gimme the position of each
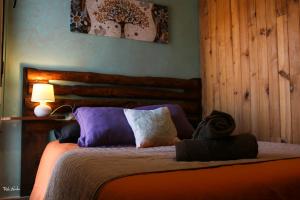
(42, 110)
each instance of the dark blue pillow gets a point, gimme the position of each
(67, 134)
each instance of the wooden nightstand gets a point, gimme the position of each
(34, 141)
(35, 137)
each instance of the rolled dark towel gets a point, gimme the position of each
(217, 125)
(231, 148)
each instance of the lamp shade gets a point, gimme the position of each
(42, 93)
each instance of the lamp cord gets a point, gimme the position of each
(54, 111)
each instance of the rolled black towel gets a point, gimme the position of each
(231, 148)
(217, 125)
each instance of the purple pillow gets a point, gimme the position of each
(103, 126)
(184, 128)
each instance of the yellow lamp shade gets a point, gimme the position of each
(42, 93)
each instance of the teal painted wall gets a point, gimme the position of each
(38, 35)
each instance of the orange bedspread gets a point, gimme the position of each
(50, 155)
(270, 180)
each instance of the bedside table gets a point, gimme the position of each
(35, 137)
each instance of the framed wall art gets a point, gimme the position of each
(130, 19)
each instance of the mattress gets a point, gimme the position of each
(267, 180)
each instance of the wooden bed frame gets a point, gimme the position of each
(94, 89)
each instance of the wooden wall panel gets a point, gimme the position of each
(274, 107)
(294, 49)
(284, 71)
(244, 66)
(263, 76)
(221, 53)
(251, 65)
(236, 62)
(253, 68)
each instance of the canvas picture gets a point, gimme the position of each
(130, 19)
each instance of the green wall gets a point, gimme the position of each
(38, 35)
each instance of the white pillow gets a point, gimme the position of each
(152, 127)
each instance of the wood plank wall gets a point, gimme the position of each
(250, 58)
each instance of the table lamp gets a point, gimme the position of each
(42, 93)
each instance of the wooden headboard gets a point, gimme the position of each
(94, 89)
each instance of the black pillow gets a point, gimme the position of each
(67, 134)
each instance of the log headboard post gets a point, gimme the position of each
(94, 89)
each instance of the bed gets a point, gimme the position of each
(278, 179)
(274, 175)
(95, 89)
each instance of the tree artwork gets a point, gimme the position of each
(122, 12)
(129, 19)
